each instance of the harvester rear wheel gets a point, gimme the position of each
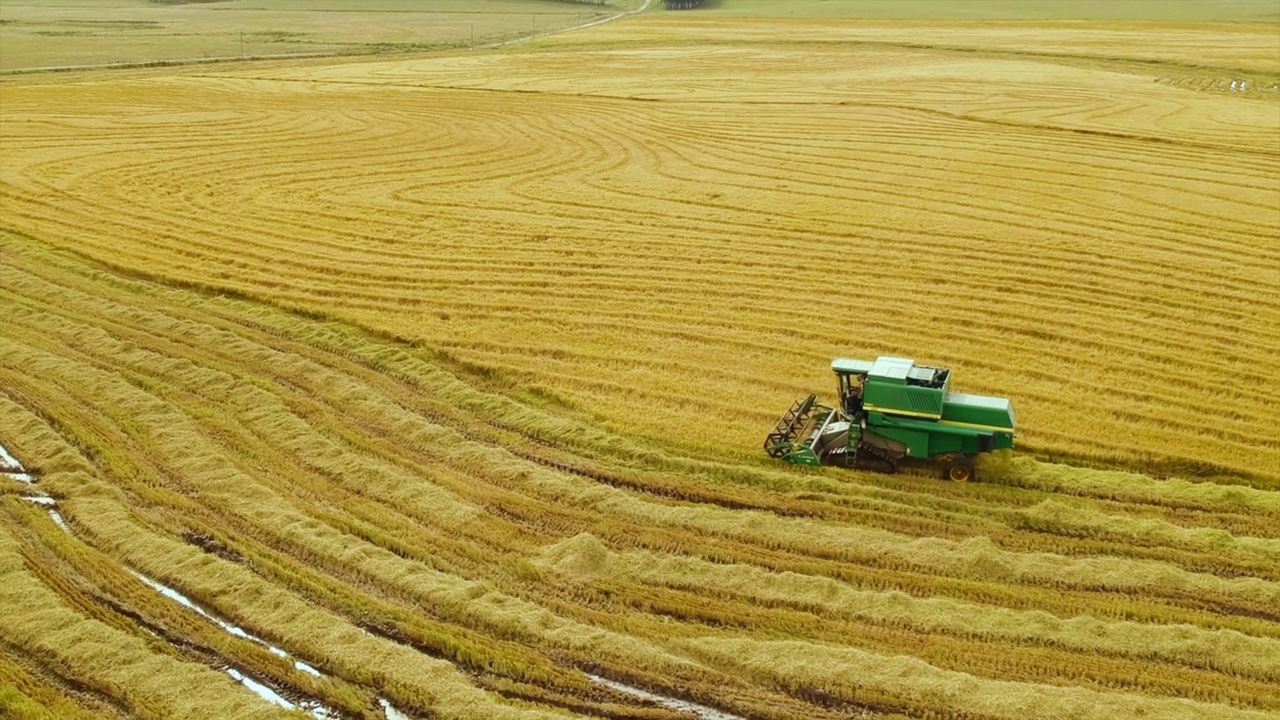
(959, 470)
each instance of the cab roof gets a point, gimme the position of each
(892, 368)
(855, 367)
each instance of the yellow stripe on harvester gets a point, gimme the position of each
(992, 428)
(955, 423)
(894, 411)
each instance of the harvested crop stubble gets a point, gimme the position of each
(508, 442)
(112, 663)
(343, 482)
(849, 672)
(584, 558)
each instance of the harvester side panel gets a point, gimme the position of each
(979, 410)
(940, 437)
(897, 385)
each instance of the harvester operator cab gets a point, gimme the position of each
(851, 376)
(851, 386)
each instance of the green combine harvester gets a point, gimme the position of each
(891, 410)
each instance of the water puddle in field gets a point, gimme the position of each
(262, 690)
(391, 712)
(12, 469)
(700, 711)
(312, 707)
(51, 505)
(7, 461)
(228, 627)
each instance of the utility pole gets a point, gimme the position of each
(241, 44)
(473, 34)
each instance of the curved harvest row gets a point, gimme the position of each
(666, 239)
(351, 502)
(441, 380)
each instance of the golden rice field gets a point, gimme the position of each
(433, 386)
(43, 34)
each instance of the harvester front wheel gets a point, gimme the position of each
(959, 470)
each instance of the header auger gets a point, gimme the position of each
(889, 410)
